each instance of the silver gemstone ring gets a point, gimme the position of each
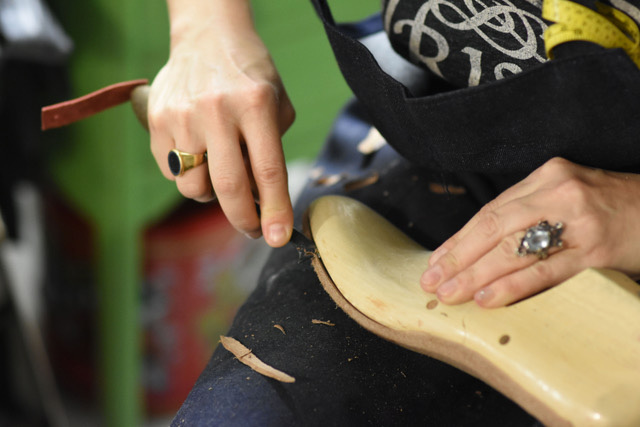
(540, 238)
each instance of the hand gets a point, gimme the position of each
(599, 210)
(220, 92)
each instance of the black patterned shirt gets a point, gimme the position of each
(470, 42)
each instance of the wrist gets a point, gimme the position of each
(209, 21)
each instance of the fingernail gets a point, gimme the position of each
(431, 278)
(277, 235)
(253, 235)
(484, 296)
(447, 289)
(437, 254)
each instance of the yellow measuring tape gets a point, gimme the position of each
(607, 27)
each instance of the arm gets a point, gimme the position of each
(220, 92)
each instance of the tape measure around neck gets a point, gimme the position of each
(607, 27)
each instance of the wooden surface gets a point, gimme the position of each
(569, 356)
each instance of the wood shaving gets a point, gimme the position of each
(280, 328)
(329, 180)
(246, 356)
(448, 189)
(361, 182)
(372, 142)
(316, 172)
(322, 322)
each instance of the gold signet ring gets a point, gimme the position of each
(180, 161)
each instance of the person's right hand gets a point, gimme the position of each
(220, 92)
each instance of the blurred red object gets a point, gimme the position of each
(190, 295)
(193, 283)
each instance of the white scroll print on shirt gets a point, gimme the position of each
(501, 17)
(491, 17)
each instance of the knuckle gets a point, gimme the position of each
(154, 118)
(554, 167)
(181, 116)
(176, 118)
(486, 208)
(270, 173)
(464, 281)
(558, 162)
(227, 185)
(555, 164)
(211, 101)
(288, 116)
(542, 271)
(259, 94)
(508, 247)
(574, 191)
(275, 212)
(450, 262)
(489, 224)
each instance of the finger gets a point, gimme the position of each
(546, 176)
(260, 129)
(230, 182)
(194, 183)
(210, 197)
(286, 112)
(498, 262)
(247, 168)
(161, 140)
(529, 281)
(490, 228)
(517, 191)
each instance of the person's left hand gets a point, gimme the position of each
(600, 211)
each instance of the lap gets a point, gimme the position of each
(344, 374)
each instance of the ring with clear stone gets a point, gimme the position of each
(540, 238)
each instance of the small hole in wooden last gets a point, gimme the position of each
(504, 339)
(432, 304)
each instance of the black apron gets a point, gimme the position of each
(582, 106)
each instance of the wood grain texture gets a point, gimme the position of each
(569, 356)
